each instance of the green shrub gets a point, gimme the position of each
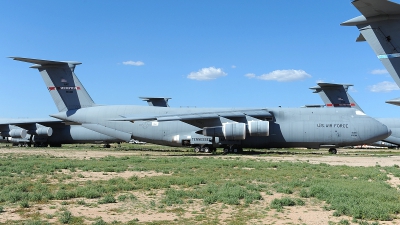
(65, 217)
(107, 199)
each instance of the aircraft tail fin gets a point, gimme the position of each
(64, 86)
(379, 25)
(335, 95)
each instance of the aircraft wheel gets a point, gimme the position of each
(333, 151)
(197, 149)
(226, 150)
(206, 149)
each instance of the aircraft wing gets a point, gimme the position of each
(206, 119)
(260, 114)
(28, 123)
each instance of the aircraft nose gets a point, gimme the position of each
(383, 131)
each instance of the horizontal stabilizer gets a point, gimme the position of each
(44, 62)
(371, 8)
(395, 101)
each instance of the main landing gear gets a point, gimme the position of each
(332, 151)
(233, 149)
(205, 149)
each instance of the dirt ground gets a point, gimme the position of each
(143, 208)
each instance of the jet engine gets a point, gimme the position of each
(42, 131)
(258, 128)
(14, 133)
(231, 131)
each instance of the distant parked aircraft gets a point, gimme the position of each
(49, 131)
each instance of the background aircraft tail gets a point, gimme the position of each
(335, 95)
(379, 25)
(156, 101)
(64, 86)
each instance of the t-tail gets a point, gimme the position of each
(335, 95)
(64, 86)
(379, 25)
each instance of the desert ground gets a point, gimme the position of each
(147, 207)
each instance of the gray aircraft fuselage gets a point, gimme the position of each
(289, 127)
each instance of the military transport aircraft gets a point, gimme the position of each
(379, 25)
(48, 131)
(336, 95)
(207, 128)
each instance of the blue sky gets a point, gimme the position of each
(200, 53)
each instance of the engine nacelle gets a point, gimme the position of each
(231, 131)
(14, 133)
(43, 131)
(258, 128)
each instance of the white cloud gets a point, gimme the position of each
(384, 86)
(133, 63)
(233, 66)
(250, 75)
(209, 73)
(282, 75)
(379, 72)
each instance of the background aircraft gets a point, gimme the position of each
(379, 25)
(49, 131)
(156, 101)
(43, 132)
(336, 95)
(206, 128)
